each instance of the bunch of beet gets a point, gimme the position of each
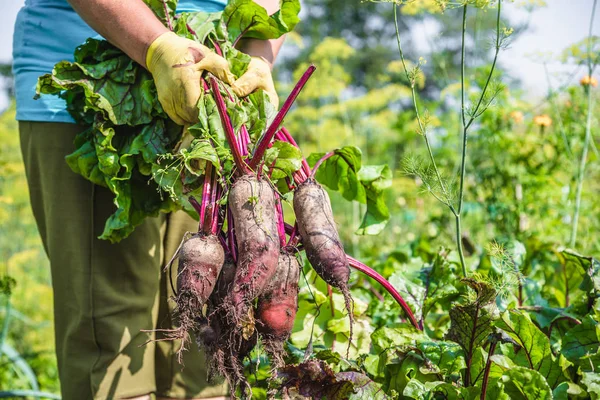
(237, 277)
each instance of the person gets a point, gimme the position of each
(106, 294)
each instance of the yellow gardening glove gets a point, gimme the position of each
(176, 64)
(257, 76)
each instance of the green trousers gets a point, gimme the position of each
(106, 294)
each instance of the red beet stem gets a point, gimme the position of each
(280, 136)
(244, 140)
(299, 177)
(289, 184)
(216, 193)
(280, 221)
(290, 139)
(354, 263)
(206, 192)
(190, 30)
(195, 204)
(223, 241)
(217, 49)
(167, 16)
(271, 169)
(266, 139)
(226, 121)
(318, 164)
(294, 236)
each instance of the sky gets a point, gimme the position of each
(552, 28)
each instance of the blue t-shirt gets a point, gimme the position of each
(48, 31)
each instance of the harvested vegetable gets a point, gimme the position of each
(252, 205)
(277, 307)
(200, 261)
(319, 234)
(321, 240)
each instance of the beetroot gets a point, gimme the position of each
(252, 204)
(201, 258)
(200, 261)
(320, 238)
(319, 234)
(277, 307)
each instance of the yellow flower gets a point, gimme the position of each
(516, 116)
(587, 81)
(542, 120)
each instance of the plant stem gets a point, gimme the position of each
(167, 15)
(488, 365)
(190, 30)
(575, 321)
(520, 299)
(318, 164)
(272, 129)
(229, 133)
(466, 125)
(459, 245)
(462, 66)
(206, 193)
(464, 146)
(293, 236)
(216, 193)
(330, 295)
(223, 241)
(280, 221)
(566, 278)
(586, 141)
(217, 48)
(244, 140)
(475, 113)
(463, 117)
(332, 307)
(416, 107)
(195, 204)
(371, 273)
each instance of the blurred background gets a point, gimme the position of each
(520, 177)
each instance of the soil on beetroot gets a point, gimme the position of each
(201, 259)
(321, 240)
(277, 307)
(252, 204)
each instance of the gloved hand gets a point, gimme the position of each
(176, 64)
(257, 76)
